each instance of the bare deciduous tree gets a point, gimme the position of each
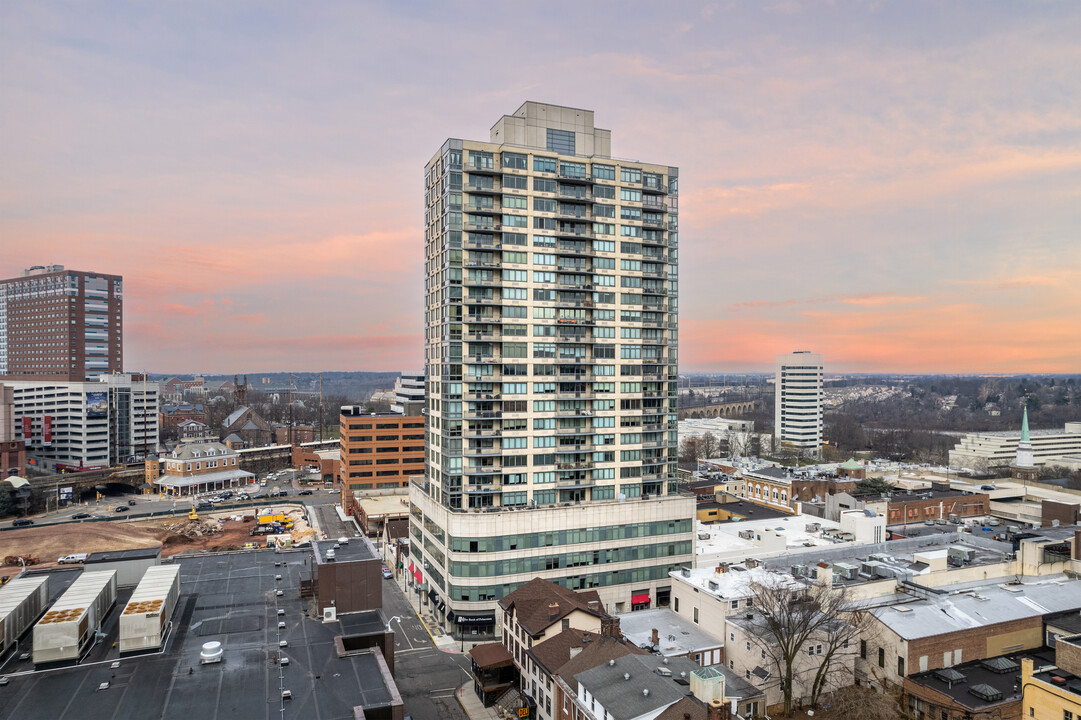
(809, 632)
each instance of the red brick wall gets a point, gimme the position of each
(380, 450)
(975, 644)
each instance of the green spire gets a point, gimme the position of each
(1024, 426)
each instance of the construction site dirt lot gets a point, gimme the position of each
(218, 531)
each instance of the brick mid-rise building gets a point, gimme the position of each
(58, 324)
(380, 450)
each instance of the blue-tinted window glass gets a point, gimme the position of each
(561, 141)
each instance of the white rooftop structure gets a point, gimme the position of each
(769, 537)
(732, 584)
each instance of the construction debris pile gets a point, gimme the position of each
(192, 529)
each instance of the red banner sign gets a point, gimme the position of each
(47, 430)
(27, 429)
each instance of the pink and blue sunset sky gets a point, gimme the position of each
(896, 185)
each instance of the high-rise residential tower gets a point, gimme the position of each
(58, 324)
(551, 351)
(798, 407)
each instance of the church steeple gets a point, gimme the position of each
(1025, 457)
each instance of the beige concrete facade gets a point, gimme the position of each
(575, 546)
(551, 350)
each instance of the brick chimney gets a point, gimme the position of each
(655, 637)
(1077, 544)
(722, 568)
(610, 627)
(718, 710)
(553, 610)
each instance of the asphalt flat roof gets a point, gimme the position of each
(114, 555)
(977, 673)
(220, 596)
(358, 548)
(370, 622)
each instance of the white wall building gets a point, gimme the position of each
(798, 409)
(988, 451)
(86, 425)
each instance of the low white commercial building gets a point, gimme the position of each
(990, 451)
(73, 426)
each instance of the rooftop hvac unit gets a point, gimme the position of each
(713, 585)
(799, 571)
(685, 572)
(846, 571)
(330, 555)
(751, 563)
(880, 557)
(211, 653)
(747, 534)
(330, 614)
(812, 527)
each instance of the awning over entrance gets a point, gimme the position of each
(640, 599)
(418, 577)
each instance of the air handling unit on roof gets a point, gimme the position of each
(960, 556)
(145, 618)
(846, 570)
(21, 602)
(69, 626)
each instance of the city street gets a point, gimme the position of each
(106, 506)
(427, 678)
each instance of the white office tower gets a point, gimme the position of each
(798, 408)
(551, 315)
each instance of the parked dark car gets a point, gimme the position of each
(121, 508)
(305, 492)
(80, 516)
(204, 505)
(22, 522)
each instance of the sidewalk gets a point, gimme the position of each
(472, 705)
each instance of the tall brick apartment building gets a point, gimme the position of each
(380, 450)
(58, 324)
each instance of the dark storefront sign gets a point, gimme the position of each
(474, 618)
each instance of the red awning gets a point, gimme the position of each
(418, 577)
(410, 567)
(642, 599)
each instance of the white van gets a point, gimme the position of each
(72, 559)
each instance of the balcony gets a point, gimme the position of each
(575, 267)
(482, 396)
(487, 242)
(482, 452)
(576, 448)
(474, 227)
(574, 177)
(495, 189)
(582, 465)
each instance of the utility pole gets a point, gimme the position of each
(292, 427)
(320, 407)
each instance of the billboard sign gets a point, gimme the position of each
(28, 429)
(97, 405)
(65, 493)
(47, 430)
